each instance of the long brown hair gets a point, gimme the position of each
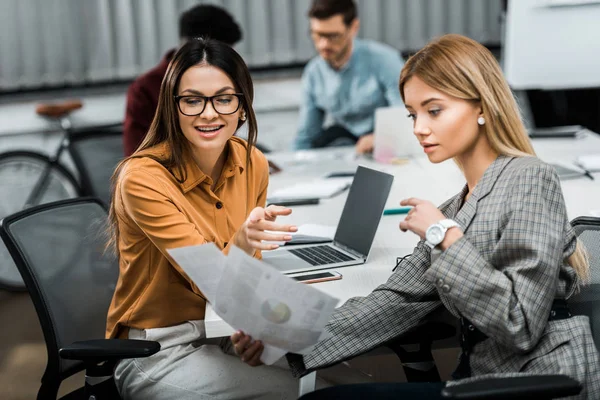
(463, 68)
(165, 125)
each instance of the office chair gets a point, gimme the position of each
(414, 347)
(96, 153)
(586, 302)
(59, 250)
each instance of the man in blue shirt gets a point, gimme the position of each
(346, 82)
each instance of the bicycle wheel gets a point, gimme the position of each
(19, 172)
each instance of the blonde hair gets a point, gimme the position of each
(463, 68)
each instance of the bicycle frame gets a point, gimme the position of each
(40, 185)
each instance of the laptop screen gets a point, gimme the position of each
(363, 209)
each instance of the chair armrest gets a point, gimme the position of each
(108, 350)
(523, 387)
(427, 332)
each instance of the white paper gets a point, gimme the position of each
(319, 188)
(590, 162)
(566, 3)
(204, 265)
(287, 316)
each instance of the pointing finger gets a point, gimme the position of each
(272, 211)
(412, 201)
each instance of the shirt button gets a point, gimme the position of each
(446, 289)
(219, 205)
(440, 282)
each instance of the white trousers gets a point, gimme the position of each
(188, 366)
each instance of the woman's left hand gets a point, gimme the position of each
(422, 216)
(247, 349)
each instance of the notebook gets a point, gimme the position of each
(354, 234)
(590, 162)
(568, 172)
(319, 188)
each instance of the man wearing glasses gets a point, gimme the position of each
(347, 81)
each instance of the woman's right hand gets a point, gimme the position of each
(252, 232)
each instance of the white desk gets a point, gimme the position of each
(417, 178)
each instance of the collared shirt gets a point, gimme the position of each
(350, 95)
(157, 212)
(142, 101)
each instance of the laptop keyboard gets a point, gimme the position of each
(320, 255)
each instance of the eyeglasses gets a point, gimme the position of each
(330, 37)
(222, 103)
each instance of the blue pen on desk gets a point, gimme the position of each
(399, 210)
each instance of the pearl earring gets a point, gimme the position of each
(243, 117)
(481, 121)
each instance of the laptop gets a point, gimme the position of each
(354, 234)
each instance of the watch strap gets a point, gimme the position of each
(448, 223)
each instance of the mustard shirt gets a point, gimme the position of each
(155, 212)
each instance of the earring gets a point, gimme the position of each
(481, 121)
(243, 117)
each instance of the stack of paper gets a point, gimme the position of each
(287, 316)
(319, 188)
(589, 162)
(566, 171)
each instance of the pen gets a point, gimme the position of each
(399, 210)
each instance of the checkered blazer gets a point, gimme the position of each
(502, 275)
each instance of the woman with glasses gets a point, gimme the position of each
(190, 182)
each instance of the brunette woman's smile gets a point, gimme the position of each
(209, 131)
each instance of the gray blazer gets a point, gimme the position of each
(502, 275)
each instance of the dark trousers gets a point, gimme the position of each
(381, 391)
(335, 135)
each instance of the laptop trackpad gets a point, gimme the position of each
(284, 260)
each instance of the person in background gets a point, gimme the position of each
(346, 82)
(142, 95)
(500, 255)
(190, 182)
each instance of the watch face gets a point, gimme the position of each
(434, 234)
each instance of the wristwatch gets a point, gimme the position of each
(436, 233)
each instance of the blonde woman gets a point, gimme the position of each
(500, 255)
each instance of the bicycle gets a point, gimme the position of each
(29, 178)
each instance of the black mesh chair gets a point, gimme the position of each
(586, 302)
(414, 348)
(96, 153)
(59, 251)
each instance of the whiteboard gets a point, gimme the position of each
(552, 44)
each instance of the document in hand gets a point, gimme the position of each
(287, 316)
